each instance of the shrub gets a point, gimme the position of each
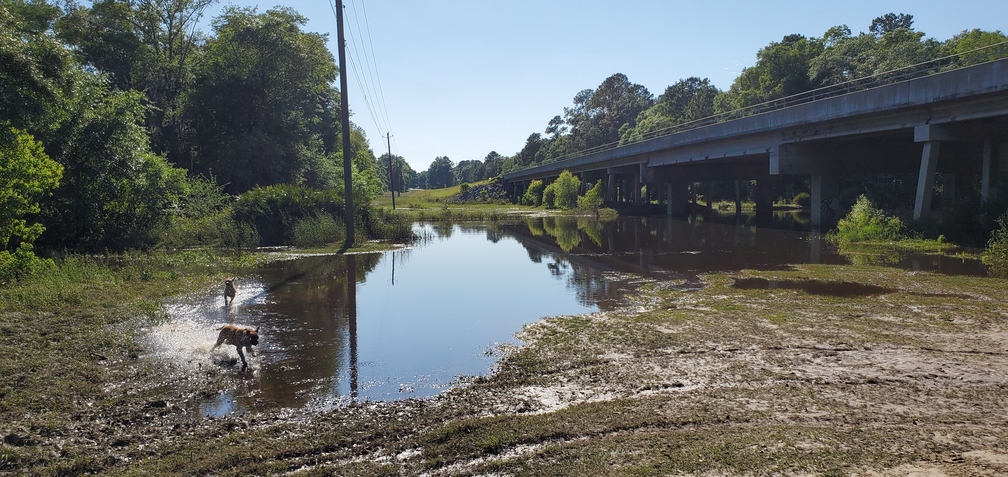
(238, 235)
(802, 199)
(274, 210)
(21, 263)
(464, 188)
(549, 196)
(533, 195)
(593, 199)
(317, 231)
(566, 189)
(866, 222)
(995, 256)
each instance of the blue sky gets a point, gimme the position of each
(461, 78)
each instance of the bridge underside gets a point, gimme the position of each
(949, 128)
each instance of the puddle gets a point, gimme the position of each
(814, 287)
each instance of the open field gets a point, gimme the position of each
(820, 370)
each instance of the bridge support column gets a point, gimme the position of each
(708, 192)
(676, 195)
(738, 198)
(635, 196)
(825, 197)
(610, 188)
(985, 174)
(925, 180)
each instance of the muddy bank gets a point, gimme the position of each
(896, 373)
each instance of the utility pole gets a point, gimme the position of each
(345, 116)
(391, 177)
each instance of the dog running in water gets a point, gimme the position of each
(229, 291)
(239, 336)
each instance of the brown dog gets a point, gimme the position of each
(239, 336)
(229, 291)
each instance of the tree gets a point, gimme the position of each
(966, 42)
(593, 199)
(440, 174)
(890, 22)
(533, 195)
(403, 175)
(527, 156)
(598, 116)
(262, 110)
(114, 192)
(565, 190)
(468, 171)
(147, 45)
(25, 174)
(687, 100)
(781, 69)
(492, 165)
(107, 39)
(847, 57)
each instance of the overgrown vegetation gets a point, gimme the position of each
(995, 256)
(868, 223)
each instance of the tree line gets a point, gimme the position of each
(620, 111)
(119, 118)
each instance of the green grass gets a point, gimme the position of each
(425, 198)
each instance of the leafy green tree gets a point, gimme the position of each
(549, 196)
(966, 42)
(527, 156)
(262, 109)
(115, 192)
(107, 38)
(146, 45)
(403, 175)
(492, 165)
(890, 22)
(566, 189)
(468, 171)
(25, 174)
(593, 199)
(847, 57)
(598, 115)
(533, 195)
(687, 100)
(781, 69)
(35, 70)
(439, 174)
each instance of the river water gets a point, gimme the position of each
(413, 322)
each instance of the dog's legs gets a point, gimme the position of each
(220, 340)
(242, 355)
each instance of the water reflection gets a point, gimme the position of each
(658, 246)
(412, 322)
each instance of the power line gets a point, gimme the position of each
(372, 73)
(368, 89)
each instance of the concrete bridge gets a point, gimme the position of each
(953, 123)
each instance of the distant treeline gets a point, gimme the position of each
(618, 111)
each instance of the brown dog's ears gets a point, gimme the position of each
(257, 329)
